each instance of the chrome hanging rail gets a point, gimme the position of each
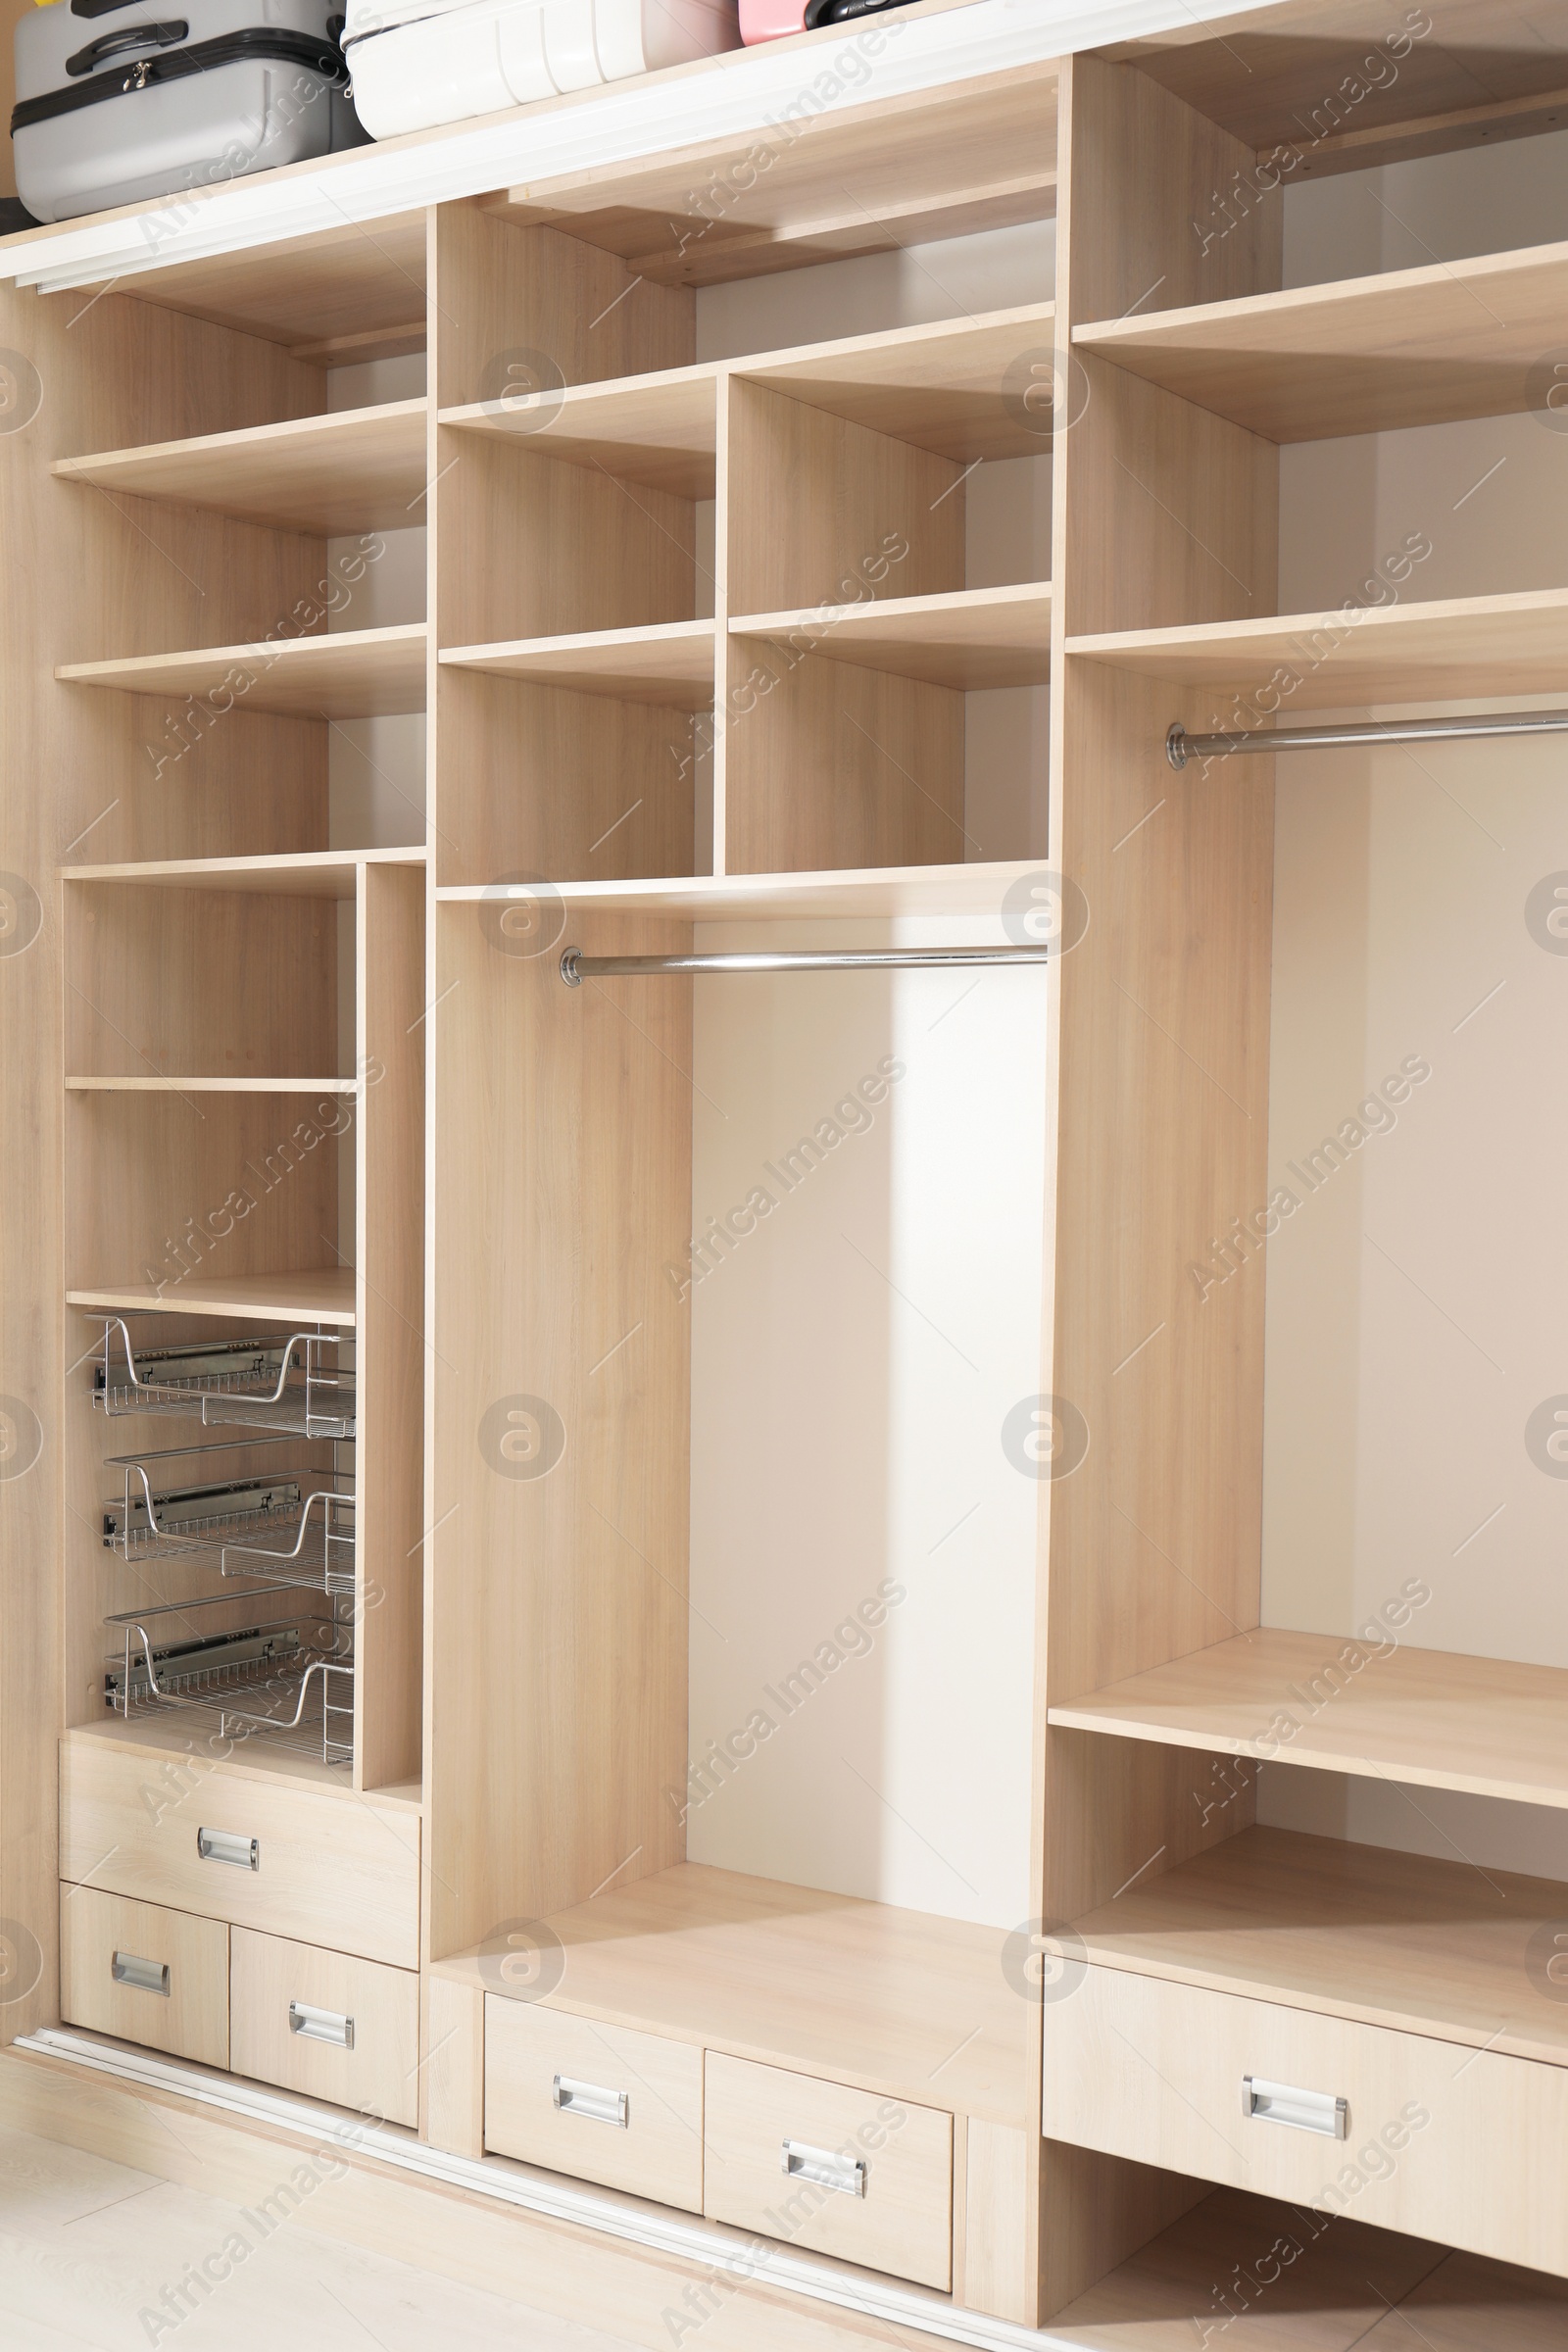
(577, 967)
(1180, 746)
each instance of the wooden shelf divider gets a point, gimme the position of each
(352, 673)
(669, 664)
(1462, 649)
(353, 469)
(660, 430)
(1434, 1718)
(962, 388)
(976, 637)
(1367, 355)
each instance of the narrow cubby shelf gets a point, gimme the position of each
(669, 664)
(1365, 355)
(1357, 656)
(976, 637)
(305, 874)
(1436, 1719)
(355, 469)
(1421, 1945)
(963, 388)
(854, 891)
(898, 2001)
(659, 430)
(314, 1294)
(212, 1086)
(351, 673)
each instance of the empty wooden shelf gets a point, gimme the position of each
(355, 469)
(1366, 354)
(977, 388)
(1464, 648)
(978, 637)
(1435, 1947)
(212, 1086)
(318, 1295)
(307, 874)
(671, 664)
(1430, 1717)
(660, 430)
(978, 890)
(352, 673)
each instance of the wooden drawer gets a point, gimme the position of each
(336, 2029)
(867, 2178)
(602, 2102)
(331, 1870)
(1441, 2140)
(144, 1974)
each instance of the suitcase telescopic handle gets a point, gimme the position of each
(129, 36)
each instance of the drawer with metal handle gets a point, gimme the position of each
(326, 2024)
(818, 2164)
(614, 2106)
(324, 1866)
(1443, 2139)
(144, 1974)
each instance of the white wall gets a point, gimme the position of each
(1419, 1300)
(854, 1358)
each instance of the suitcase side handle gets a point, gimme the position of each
(129, 36)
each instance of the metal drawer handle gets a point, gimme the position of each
(1302, 2110)
(588, 2099)
(225, 1845)
(825, 2167)
(144, 1975)
(321, 2025)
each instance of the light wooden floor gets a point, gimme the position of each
(87, 2248)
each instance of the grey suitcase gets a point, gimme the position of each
(120, 100)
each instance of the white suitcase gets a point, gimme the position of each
(120, 100)
(419, 62)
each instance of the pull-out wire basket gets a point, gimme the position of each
(301, 1385)
(288, 1522)
(287, 1679)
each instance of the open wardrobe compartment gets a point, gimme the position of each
(781, 935)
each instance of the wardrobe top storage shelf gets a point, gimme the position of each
(1366, 354)
(975, 637)
(1458, 649)
(670, 662)
(899, 2001)
(1436, 1718)
(347, 673)
(1436, 1947)
(851, 894)
(344, 470)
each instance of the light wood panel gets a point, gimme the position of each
(211, 1086)
(1431, 1717)
(558, 1507)
(189, 2019)
(864, 1993)
(352, 673)
(1463, 2152)
(1386, 1938)
(453, 2075)
(313, 874)
(655, 2148)
(355, 469)
(979, 154)
(975, 387)
(389, 1322)
(996, 2211)
(332, 1868)
(1364, 354)
(375, 2071)
(156, 1741)
(671, 665)
(900, 2221)
(979, 637)
(167, 983)
(313, 1295)
(850, 891)
(1462, 647)
(659, 430)
(355, 292)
